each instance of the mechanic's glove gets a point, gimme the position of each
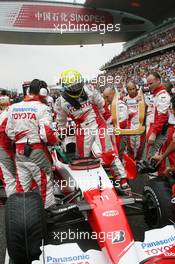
(152, 139)
(167, 172)
(157, 158)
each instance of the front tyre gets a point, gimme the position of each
(158, 209)
(25, 227)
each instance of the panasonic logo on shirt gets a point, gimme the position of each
(24, 109)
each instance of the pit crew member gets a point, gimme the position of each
(7, 164)
(29, 126)
(135, 144)
(156, 133)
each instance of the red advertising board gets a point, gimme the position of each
(46, 16)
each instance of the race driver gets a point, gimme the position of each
(88, 110)
(7, 165)
(29, 126)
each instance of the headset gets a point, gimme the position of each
(40, 87)
(44, 92)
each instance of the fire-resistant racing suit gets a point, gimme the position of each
(90, 125)
(135, 143)
(7, 165)
(159, 120)
(149, 101)
(170, 138)
(123, 117)
(30, 121)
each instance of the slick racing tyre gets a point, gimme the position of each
(158, 209)
(25, 227)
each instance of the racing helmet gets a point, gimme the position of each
(72, 82)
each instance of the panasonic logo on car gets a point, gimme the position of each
(158, 243)
(66, 259)
(110, 213)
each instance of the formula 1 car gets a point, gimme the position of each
(87, 192)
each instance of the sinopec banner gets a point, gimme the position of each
(48, 17)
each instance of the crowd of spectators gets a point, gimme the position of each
(14, 96)
(152, 42)
(18, 97)
(137, 71)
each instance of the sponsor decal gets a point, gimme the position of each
(159, 246)
(25, 109)
(110, 213)
(158, 242)
(70, 253)
(45, 16)
(118, 236)
(159, 250)
(86, 104)
(24, 116)
(79, 259)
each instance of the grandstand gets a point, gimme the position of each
(161, 38)
(167, 24)
(152, 51)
